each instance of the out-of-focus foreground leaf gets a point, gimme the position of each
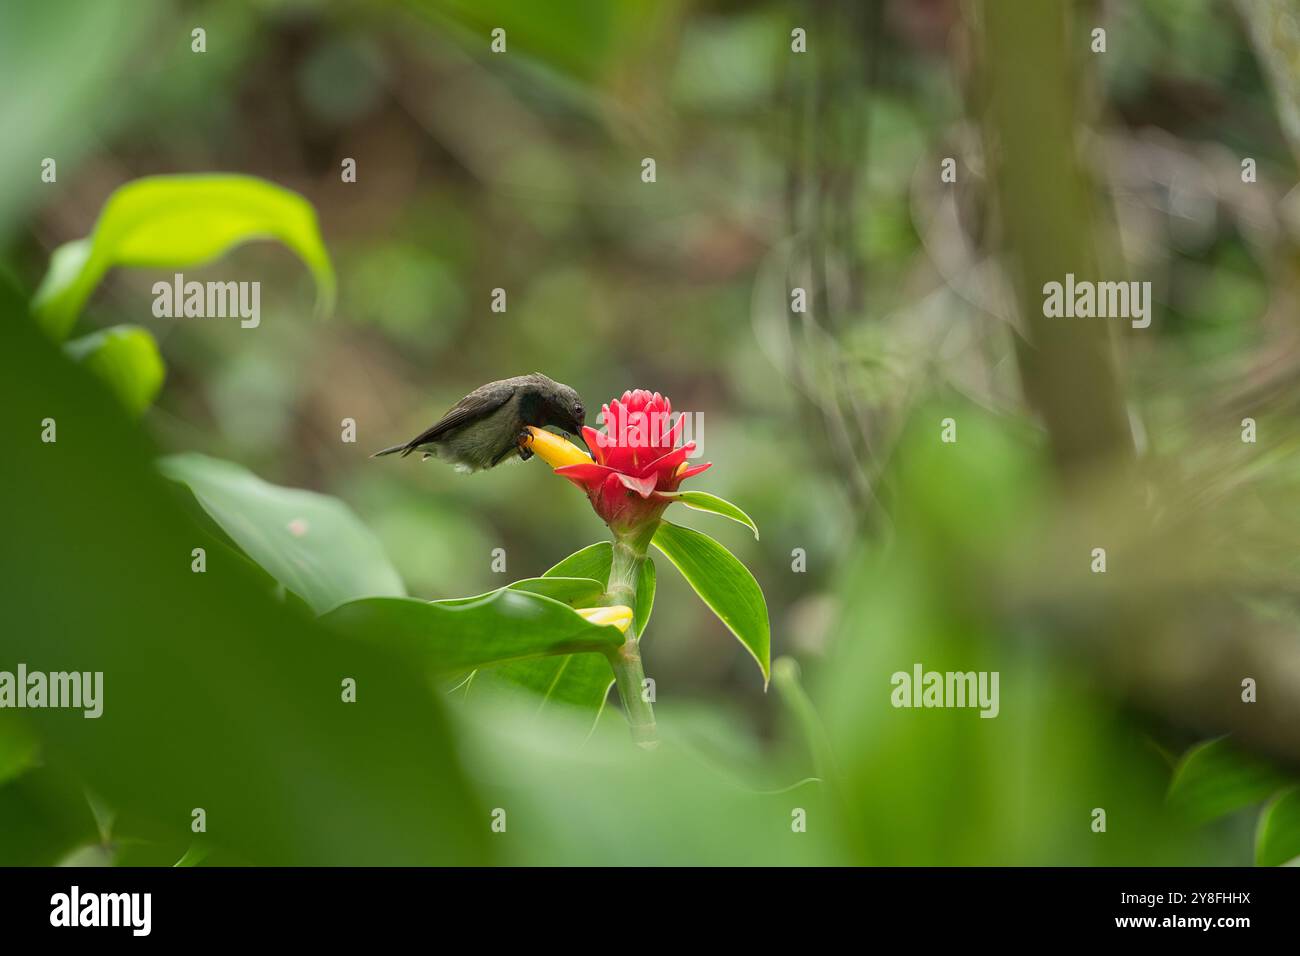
(945, 786)
(1277, 838)
(73, 53)
(675, 805)
(215, 695)
(45, 817)
(311, 543)
(18, 747)
(1215, 778)
(174, 222)
(127, 358)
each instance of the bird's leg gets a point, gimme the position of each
(525, 452)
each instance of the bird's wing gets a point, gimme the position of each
(472, 407)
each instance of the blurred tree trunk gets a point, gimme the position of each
(1028, 82)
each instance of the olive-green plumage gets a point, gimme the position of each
(484, 428)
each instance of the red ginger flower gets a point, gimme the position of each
(637, 461)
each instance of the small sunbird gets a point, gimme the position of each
(490, 424)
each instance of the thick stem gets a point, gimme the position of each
(624, 572)
(628, 677)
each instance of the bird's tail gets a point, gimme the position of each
(405, 449)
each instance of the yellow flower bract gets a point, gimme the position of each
(620, 616)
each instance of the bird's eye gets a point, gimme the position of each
(578, 410)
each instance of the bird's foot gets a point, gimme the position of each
(525, 441)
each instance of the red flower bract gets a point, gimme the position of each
(636, 461)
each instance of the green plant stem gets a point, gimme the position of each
(624, 572)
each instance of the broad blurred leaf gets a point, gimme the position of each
(724, 584)
(703, 501)
(174, 222)
(504, 625)
(127, 358)
(1277, 838)
(215, 694)
(803, 714)
(17, 747)
(43, 816)
(311, 543)
(77, 55)
(944, 786)
(689, 807)
(1215, 778)
(193, 856)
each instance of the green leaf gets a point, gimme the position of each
(575, 592)
(174, 222)
(127, 358)
(453, 636)
(803, 714)
(703, 501)
(574, 680)
(1277, 837)
(645, 596)
(724, 584)
(18, 747)
(311, 543)
(1215, 778)
(45, 817)
(593, 561)
(78, 65)
(193, 856)
(577, 680)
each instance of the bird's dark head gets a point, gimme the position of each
(561, 405)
